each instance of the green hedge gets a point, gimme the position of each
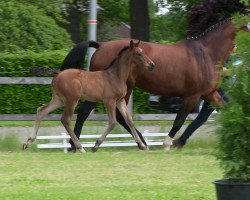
(17, 99)
(18, 64)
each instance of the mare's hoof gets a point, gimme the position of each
(25, 146)
(94, 149)
(177, 144)
(168, 143)
(71, 150)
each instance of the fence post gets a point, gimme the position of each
(64, 143)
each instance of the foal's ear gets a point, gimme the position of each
(131, 45)
(137, 44)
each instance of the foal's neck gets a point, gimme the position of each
(121, 68)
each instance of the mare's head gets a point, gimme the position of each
(211, 23)
(138, 58)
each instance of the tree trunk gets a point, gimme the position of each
(74, 22)
(139, 19)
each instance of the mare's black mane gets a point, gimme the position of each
(203, 16)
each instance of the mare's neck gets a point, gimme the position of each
(220, 42)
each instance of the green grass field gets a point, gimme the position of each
(124, 174)
(111, 173)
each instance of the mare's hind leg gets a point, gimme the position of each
(187, 106)
(69, 108)
(110, 106)
(42, 111)
(121, 105)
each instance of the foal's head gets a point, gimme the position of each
(138, 58)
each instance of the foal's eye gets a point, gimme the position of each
(138, 54)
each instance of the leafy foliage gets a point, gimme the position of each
(24, 26)
(173, 23)
(234, 134)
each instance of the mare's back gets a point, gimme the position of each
(106, 53)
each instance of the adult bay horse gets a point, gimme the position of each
(107, 86)
(188, 69)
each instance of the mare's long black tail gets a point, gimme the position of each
(43, 70)
(76, 56)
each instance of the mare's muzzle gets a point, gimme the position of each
(151, 66)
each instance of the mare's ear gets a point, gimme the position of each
(137, 44)
(131, 45)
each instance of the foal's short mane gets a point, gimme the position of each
(119, 54)
(211, 14)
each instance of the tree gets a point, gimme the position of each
(24, 26)
(170, 26)
(139, 19)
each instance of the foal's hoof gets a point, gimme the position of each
(143, 147)
(94, 149)
(25, 146)
(82, 150)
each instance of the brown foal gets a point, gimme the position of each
(107, 86)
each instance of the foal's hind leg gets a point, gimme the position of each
(121, 105)
(69, 108)
(110, 106)
(41, 113)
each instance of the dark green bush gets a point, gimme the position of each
(234, 133)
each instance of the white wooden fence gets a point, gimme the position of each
(152, 139)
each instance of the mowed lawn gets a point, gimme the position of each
(109, 174)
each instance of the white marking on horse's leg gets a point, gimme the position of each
(168, 142)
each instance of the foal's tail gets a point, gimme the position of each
(43, 70)
(76, 56)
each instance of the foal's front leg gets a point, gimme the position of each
(110, 107)
(121, 105)
(66, 121)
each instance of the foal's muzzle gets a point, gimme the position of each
(151, 66)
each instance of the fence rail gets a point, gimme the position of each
(95, 117)
(152, 139)
(25, 80)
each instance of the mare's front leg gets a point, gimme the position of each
(187, 106)
(121, 105)
(42, 111)
(110, 107)
(202, 117)
(66, 121)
